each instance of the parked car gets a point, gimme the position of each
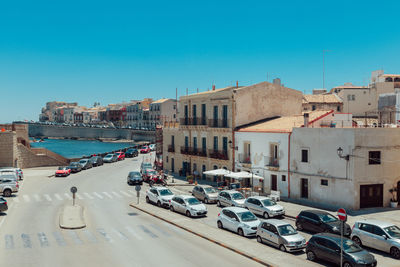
(280, 234)
(379, 235)
(8, 186)
(159, 195)
(150, 174)
(17, 171)
(188, 205)
(75, 167)
(8, 175)
(86, 164)
(326, 246)
(63, 171)
(109, 158)
(132, 152)
(229, 198)
(120, 155)
(144, 166)
(152, 147)
(205, 193)
(134, 178)
(3, 205)
(320, 221)
(145, 150)
(238, 220)
(96, 161)
(264, 206)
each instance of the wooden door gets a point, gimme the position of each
(371, 195)
(274, 181)
(304, 188)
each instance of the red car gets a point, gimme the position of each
(121, 156)
(150, 174)
(63, 171)
(145, 150)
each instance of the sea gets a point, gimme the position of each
(79, 148)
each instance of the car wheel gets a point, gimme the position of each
(147, 200)
(395, 252)
(259, 240)
(220, 226)
(347, 264)
(282, 248)
(159, 204)
(218, 203)
(206, 200)
(311, 256)
(7, 193)
(266, 215)
(172, 208)
(357, 240)
(188, 214)
(299, 226)
(240, 232)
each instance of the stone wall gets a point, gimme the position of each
(8, 141)
(28, 158)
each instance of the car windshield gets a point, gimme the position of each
(192, 201)
(165, 192)
(82, 161)
(237, 196)
(327, 218)
(286, 230)
(151, 172)
(134, 174)
(350, 247)
(210, 190)
(393, 231)
(61, 168)
(268, 202)
(109, 156)
(247, 216)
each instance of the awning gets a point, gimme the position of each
(217, 172)
(243, 175)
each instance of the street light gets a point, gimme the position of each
(340, 154)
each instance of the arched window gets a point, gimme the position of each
(397, 79)
(389, 79)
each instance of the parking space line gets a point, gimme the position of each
(26, 241)
(88, 196)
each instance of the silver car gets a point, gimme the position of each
(230, 198)
(205, 193)
(238, 220)
(280, 234)
(188, 205)
(264, 206)
(378, 235)
(8, 186)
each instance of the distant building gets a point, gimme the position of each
(137, 113)
(50, 113)
(162, 110)
(322, 102)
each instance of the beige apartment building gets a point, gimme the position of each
(204, 138)
(162, 110)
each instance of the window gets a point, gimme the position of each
(283, 178)
(304, 155)
(215, 142)
(324, 182)
(338, 108)
(374, 157)
(313, 107)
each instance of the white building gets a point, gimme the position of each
(162, 110)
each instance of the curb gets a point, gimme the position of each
(64, 225)
(53, 175)
(205, 237)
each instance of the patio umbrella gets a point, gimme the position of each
(217, 172)
(244, 175)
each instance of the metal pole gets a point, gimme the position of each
(341, 244)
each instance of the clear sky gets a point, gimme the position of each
(114, 51)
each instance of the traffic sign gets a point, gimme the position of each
(74, 190)
(341, 213)
(137, 188)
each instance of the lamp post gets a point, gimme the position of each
(340, 154)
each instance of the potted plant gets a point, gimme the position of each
(190, 179)
(393, 199)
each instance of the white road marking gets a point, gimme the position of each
(126, 194)
(98, 195)
(116, 194)
(47, 197)
(26, 198)
(133, 232)
(120, 234)
(58, 196)
(107, 194)
(78, 196)
(37, 197)
(68, 196)
(16, 200)
(88, 196)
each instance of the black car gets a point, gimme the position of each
(132, 152)
(144, 166)
(320, 221)
(86, 164)
(75, 167)
(96, 161)
(3, 205)
(134, 178)
(326, 246)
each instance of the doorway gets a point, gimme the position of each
(274, 182)
(304, 188)
(398, 192)
(371, 196)
(172, 165)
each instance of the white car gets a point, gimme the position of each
(264, 206)
(152, 147)
(159, 195)
(230, 198)
(238, 220)
(18, 171)
(188, 205)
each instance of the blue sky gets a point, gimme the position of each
(120, 50)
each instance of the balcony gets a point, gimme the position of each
(218, 123)
(244, 158)
(218, 154)
(271, 162)
(171, 148)
(185, 150)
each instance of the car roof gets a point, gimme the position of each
(230, 191)
(160, 187)
(204, 185)
(333, 237)
(185, 196)
(235, 209)
(376, 222)
(260, 197)
(276, 222)
(316, 211)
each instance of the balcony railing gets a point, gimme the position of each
(218, 123)
(193, 121)
(244, 158)
(171, 148)
(218, 154)
(185, 150)
(271, 161)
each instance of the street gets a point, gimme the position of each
(115, 235)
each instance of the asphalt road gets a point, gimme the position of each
(116, 235)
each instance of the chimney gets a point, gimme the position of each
(213, 87)
(237, 84)
(306, 117)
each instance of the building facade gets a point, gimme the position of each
(322, 102)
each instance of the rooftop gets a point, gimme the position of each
(322, 98)
(162, 100)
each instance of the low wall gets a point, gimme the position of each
(38, 157)
(8, 148)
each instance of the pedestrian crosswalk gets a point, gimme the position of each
(42, 240)
(26, 198)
